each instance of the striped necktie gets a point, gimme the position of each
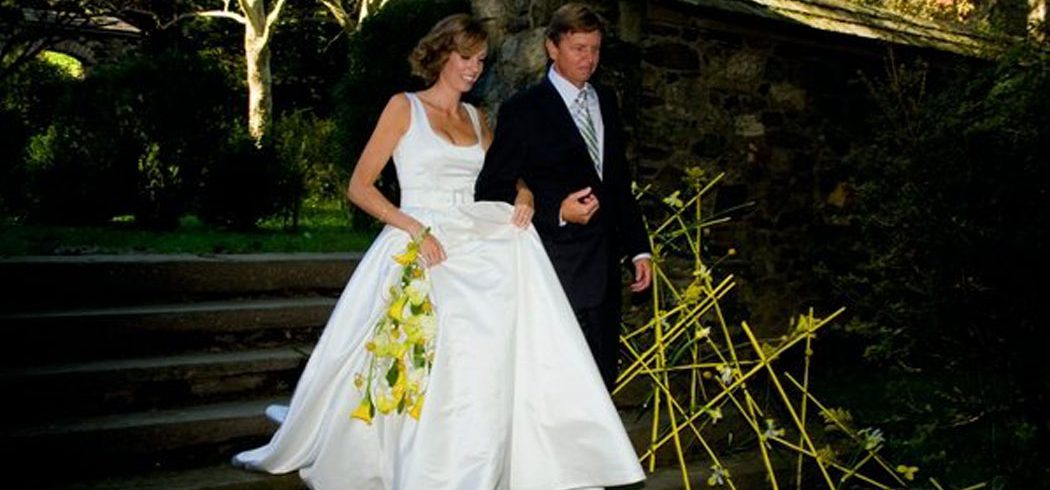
(581, 114)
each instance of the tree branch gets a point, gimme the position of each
(209, 13)
(274, 14)
(249, 13)
(335, 7)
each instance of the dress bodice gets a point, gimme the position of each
(434, 173)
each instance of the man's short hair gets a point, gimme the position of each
(573, 17)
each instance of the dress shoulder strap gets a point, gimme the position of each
(475, 119)
(418, 113)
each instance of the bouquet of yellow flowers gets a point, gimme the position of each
(402, 345)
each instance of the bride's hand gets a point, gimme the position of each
(524, 208)
(430, 251)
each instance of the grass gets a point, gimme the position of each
(323, 227)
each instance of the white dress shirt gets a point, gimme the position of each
(569, 92)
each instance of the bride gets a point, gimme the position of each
(514, 400)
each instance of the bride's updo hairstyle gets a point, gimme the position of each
(459, 32)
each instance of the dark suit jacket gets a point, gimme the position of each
(537, 140)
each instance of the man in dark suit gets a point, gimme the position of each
(563, 137)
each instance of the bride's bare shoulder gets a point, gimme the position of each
(397, 113)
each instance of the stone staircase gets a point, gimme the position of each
(150, 372)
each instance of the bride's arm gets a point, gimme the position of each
(362, 191)
(524, 204)
(393, 123)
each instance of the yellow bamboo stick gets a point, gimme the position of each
(845, 429)
(783, 395)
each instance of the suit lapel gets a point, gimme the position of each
(608, 112)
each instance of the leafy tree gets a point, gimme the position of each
(949, 216)
(260, 23)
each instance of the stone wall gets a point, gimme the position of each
(773, 106)
(770, 103)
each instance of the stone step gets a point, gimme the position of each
(94, 447)
(226, 477)
(189, 448)
(221, 477)
(35, 338)
(35, 283)
(126, 385)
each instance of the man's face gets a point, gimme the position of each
(575, 56)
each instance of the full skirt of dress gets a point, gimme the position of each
(514, 400)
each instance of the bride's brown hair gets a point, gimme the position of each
(458, 32)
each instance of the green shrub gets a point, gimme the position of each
(942, 274)
(27, 104)
(78, 170)
(114, 131)
(178, 105)
(158, 189)
(13, 138)
(305, 147)
(247, 184)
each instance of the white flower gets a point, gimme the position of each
(702, 272)
(383, 344)
(772, 430)
(673, 200)
(725, 374)
(703, 332)
(715, 414)
(873, 438)
(416, 377)
(417, 291)
(428, 327)
(718, 475)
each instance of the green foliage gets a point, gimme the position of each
(323, 228)
(27, 104)
(67, 65)
(309, 58)
(82, 169)
(13, 137)
(247, 184)
(306, 150)
(378, 69)
(1007, 16)
(158, 188)
(112, 133)
(949, 212)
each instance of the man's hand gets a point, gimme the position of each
(579, 207)
(643, 275)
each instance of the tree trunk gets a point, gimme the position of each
(258, 29)
(1037, 27)
(260, 83)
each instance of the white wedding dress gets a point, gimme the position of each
(514, 402)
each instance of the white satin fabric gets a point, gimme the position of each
(515, 401)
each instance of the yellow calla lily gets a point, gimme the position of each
(397, 309)
(364, 411)
(408, 256)
(386, 404)
(417, 408)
